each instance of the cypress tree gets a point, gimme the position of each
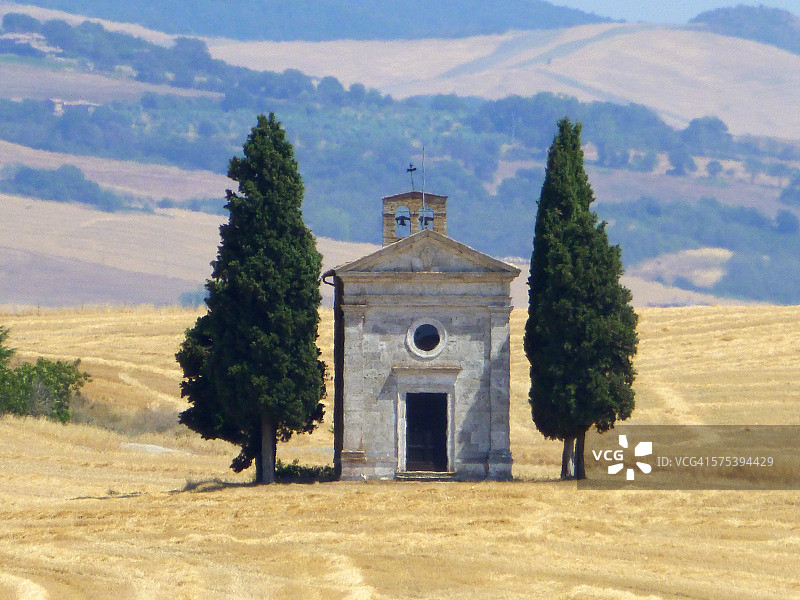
(251, 365)
(580, 337)
(5, 352)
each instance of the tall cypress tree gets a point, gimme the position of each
(251, 364)
(580, 337)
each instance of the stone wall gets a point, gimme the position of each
(380, 368)
(463, 294)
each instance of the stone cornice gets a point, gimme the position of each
(437, 276)
(433, 300)
(364, 264)
(427, 370)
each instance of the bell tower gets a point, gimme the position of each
(405, 214)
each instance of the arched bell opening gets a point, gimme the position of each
(402, 222)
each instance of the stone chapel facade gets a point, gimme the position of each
(421, 353)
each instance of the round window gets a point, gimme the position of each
(426, 338)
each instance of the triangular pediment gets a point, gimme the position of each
(427, 251)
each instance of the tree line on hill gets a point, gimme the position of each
(625, 136)
(64, 184)
(316, 20)
(764, 265)
(761, 23)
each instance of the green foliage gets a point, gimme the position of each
(714, 168)
(707, 136)
(316, 20)
(754, 166)
(5, 352)
(194, 298)
(681, 161)
(581, 331)
(20, 23)
(254, 354)
(791, 193)
(644, 163)
(354, 144)
(297, 473)
(616, 128)
(214, 206)
(19, 49)
(786, 222)
(91, 40)
(65, 184)
(159, 134)
(44, 389)
(760, 23)
(765, 263)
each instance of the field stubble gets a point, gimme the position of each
(90, 513)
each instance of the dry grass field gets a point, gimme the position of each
(126, 177)
(22, 80)
(93, 513)
(57, 254)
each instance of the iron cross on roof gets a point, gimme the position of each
(411, 168)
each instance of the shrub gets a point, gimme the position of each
(20, 23)
(44, 389)
(297, 473)
(64, 184)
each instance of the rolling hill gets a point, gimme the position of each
(662, 67)
(57, 254)
(681, 73)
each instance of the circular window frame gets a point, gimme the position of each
(419, 351)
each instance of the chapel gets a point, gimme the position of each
(421, 353)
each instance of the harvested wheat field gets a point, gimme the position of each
(141, 509)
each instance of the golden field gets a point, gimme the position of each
(89, 513)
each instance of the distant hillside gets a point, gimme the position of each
(316, 20)
(759, 23)
(667, 194)
(682, 74)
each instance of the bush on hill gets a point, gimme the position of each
(43, 389)
(64, 184)
(20, 23)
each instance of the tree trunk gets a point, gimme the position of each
(259, 467)
(580, 468)
(268, 447)
(568, 459)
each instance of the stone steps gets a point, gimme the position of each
(426, 476)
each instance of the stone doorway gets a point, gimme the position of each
(426, 432)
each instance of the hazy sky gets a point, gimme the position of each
(665, 11)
